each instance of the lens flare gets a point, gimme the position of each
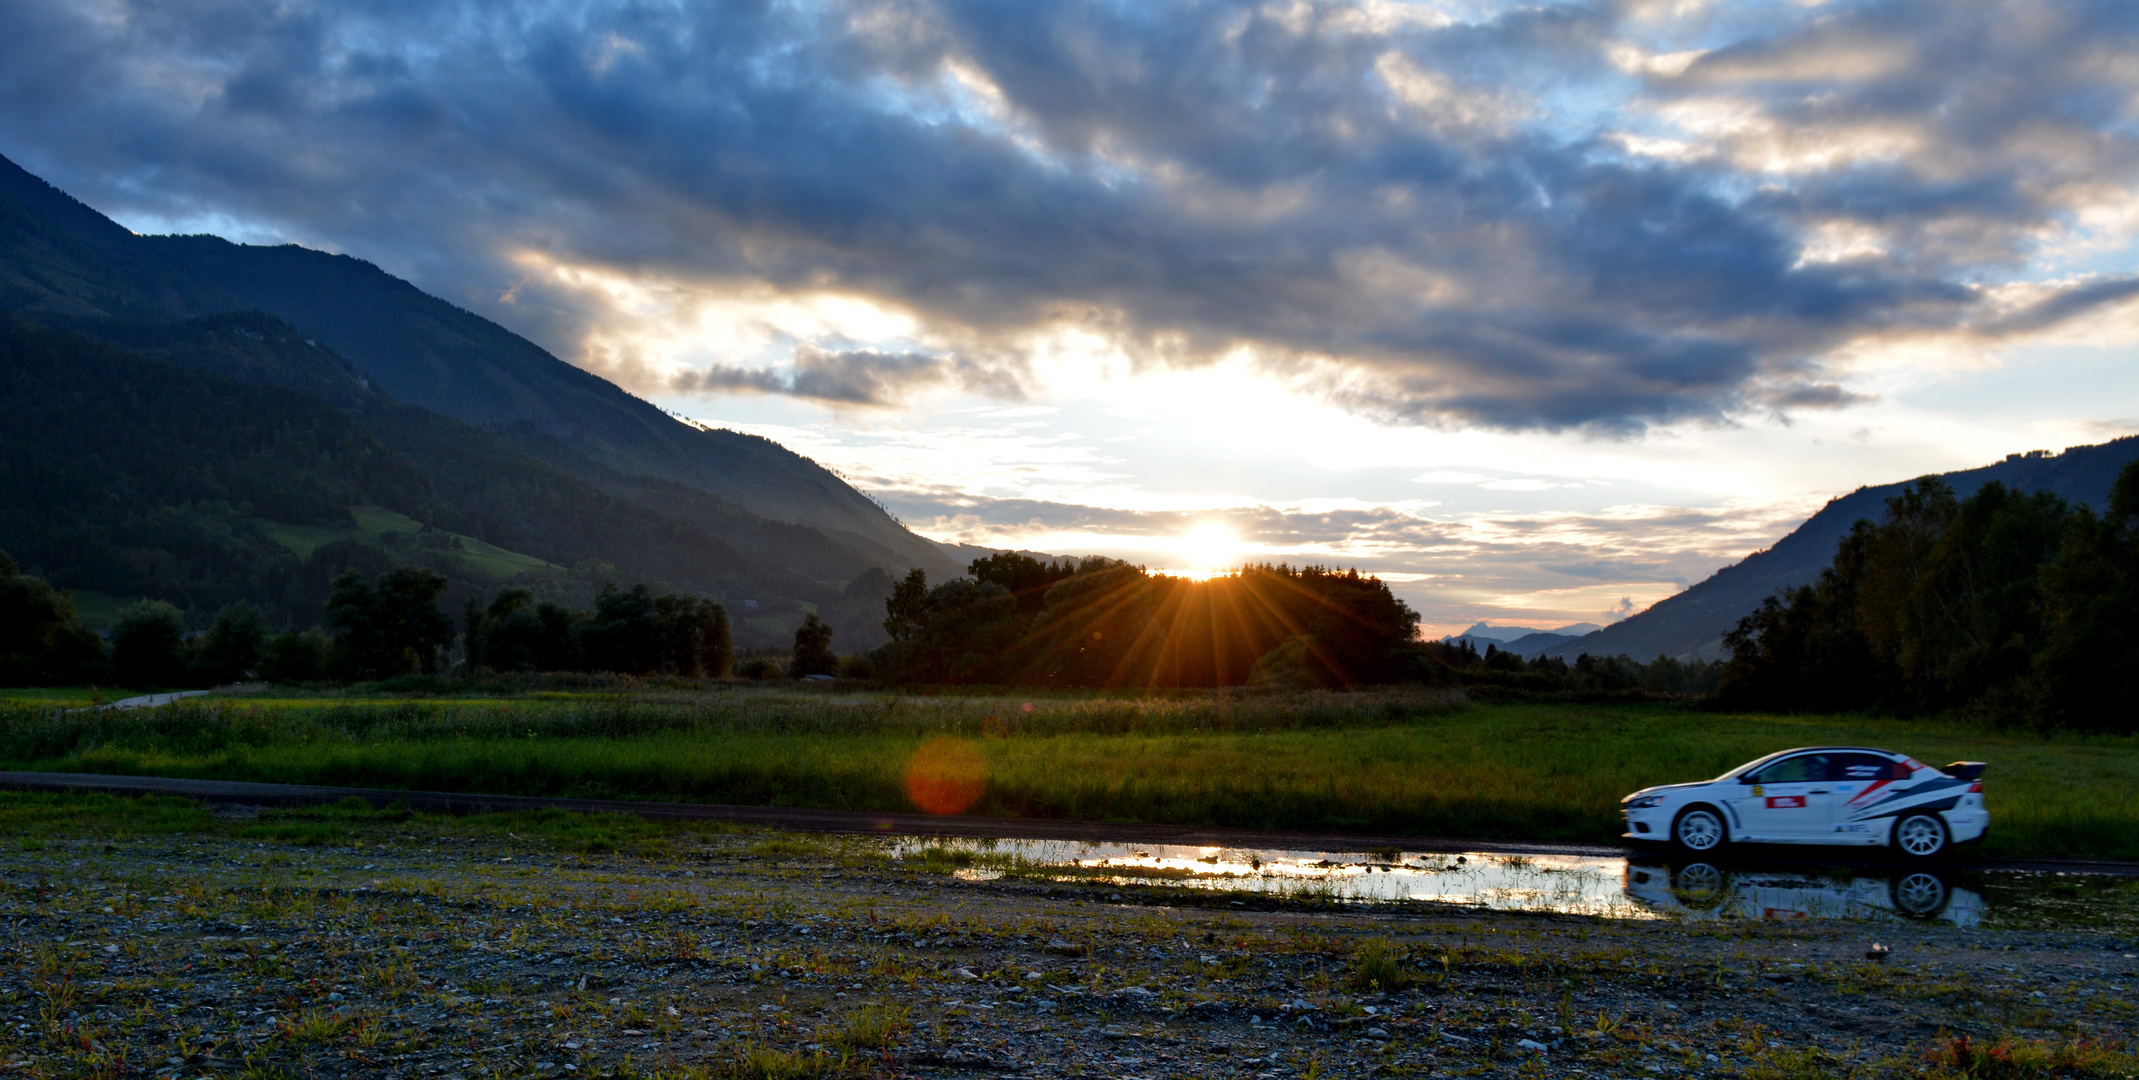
(945, 776)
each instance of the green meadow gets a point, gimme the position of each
(1415, 761)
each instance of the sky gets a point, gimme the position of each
(1542, 312)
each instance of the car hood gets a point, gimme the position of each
(1662, 788)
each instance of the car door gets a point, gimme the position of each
(1788, 801)
(1860, 779)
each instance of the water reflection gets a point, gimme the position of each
(1705, 890)
(1607, 886)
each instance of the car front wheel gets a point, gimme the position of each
(1920, 836)
(1699, 830)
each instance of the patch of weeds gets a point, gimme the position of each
(1378, 966)
(785, 846)
(301, 833)
(766, 1063)
(871, 1027)
(940, 860)
(1959, 1057)
(312, 1026)
(34, 813)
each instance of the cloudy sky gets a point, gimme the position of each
(1543, 311)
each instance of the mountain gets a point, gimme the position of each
(543, 476)
(130, 476)
(1692, 623)
(65, 264)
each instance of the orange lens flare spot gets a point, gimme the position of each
(946, 776)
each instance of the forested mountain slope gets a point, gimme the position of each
(135, 477)
(64, 263)
(1694, 622)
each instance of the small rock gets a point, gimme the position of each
(965, 974)
(1028, 975)
(1378, 1033)
(1877, 952)
(111, 950)
(333, 998)
(1531, 1045)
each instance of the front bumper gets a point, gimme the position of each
(1653, 823)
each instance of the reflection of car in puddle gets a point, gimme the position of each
(1706, 890)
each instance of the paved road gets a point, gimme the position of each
(146, 700)
(852, 821)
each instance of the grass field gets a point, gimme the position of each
(1400, 761)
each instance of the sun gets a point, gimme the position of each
(1208, 550)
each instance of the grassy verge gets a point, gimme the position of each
(1391, 761)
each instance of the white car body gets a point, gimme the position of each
(1836, 795)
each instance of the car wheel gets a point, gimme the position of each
(1919, 836)
(1700, 886)
(1919, 895)
(1699, 830)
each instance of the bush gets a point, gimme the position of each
(295, 658)
(41, 639)
(232, 648)
(149, 645)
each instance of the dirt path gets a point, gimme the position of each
(417, 948)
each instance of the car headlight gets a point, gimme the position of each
(1643, 802)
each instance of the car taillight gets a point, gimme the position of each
(1976, 788)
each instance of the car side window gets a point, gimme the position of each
(1793, 770)
(1860, 768)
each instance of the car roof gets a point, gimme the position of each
(1815, 750)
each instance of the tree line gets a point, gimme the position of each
(2012, 605)
(380, 628)
(1019, 620)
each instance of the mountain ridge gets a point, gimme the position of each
(419, 348)
(1691, 624)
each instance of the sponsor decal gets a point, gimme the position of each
(1757, 789)
(1865, 772)
(1786, 802)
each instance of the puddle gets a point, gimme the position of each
(1608, 886)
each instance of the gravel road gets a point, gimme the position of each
(283, 944)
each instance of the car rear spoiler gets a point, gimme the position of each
(1964, 770)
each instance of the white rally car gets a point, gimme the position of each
(1819, 795)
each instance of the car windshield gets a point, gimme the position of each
(1739, 770)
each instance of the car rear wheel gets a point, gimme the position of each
(1920, 836)
(1698, 830)
(1920, 895)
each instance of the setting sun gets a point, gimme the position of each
(1209, 550)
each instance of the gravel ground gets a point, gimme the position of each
(238, 943)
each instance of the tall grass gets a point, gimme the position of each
(1399, 761)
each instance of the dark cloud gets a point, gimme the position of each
(854, 377)
(1422, 221)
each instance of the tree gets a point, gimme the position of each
(391, 628)
(625, 633)
(2087, 672)
(233, 646)
(42, 640)
(295, 657)
(149, 644)
(813, 648)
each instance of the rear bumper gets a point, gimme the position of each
(1968, 827)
